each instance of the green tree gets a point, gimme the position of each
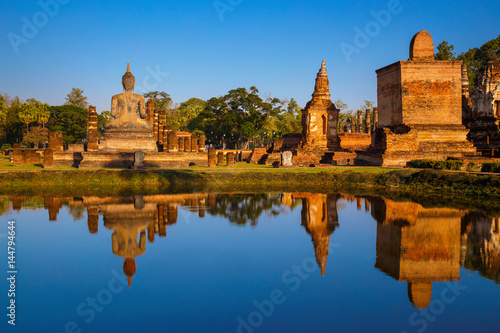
(71, 121)
(185, 113)
(11, 127)
(28, 114)
(76, 98)
(162, 99)
(237, 117)
(36, 136)
(445, 52)
(474, 58)
(102, 118)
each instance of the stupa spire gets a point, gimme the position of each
(322, 71)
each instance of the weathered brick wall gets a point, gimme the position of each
(432, 92)
(389, 95)
(56, 141)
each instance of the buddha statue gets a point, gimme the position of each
(125, 107)
(128, 132)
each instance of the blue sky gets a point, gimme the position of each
(276, 46)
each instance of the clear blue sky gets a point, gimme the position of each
(275, 45)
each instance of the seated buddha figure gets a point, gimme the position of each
(125, 107)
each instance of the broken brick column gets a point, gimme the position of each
(155, 124)
(220, 158)
(162, 122)
(92, 133)
(150, 112)
(211, 158)
(368, 121)
(173, 142)
(194, 143)
(230, 159)
(201, 143)
(181, 144)
(187, 144)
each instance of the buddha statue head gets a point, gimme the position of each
(128, 80)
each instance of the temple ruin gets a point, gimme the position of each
(481, 110)
(134, 128)
(420, 110)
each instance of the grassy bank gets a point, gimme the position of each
(420, 185)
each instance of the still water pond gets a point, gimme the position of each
(293, 262)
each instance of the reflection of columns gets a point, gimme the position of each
(417, 245)
(162, 227)
(93, 219)
(211, 200)
(172, 213)
(359, 203)
(53, 205)
(201, 204)
(17, 204)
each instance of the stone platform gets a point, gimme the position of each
(103, 159)
(128, 141)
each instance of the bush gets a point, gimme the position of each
(491, 167)
(471, 166)
(451, 164)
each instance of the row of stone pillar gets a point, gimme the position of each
(357, 124)
(215, 158)
(167, 138)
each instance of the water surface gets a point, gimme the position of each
(293, 262)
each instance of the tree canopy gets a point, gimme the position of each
(70, 120)
(474, 58)
(162, 99)
(76, 98)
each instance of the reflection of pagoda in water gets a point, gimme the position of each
(417, 245)
(320, 219)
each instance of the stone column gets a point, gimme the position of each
(230, 159)
(172, 142)
(151, 110)
(92, 134)
(56, 142)
(359, 123)
(368, 121)
(187, 144)
(162, 122)
(201, 144)
(181, 144)
(17, 157)
(48, 158)
(375, 118)
(194, 143)
(155, 124)
(211, 158)
(220, 158)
